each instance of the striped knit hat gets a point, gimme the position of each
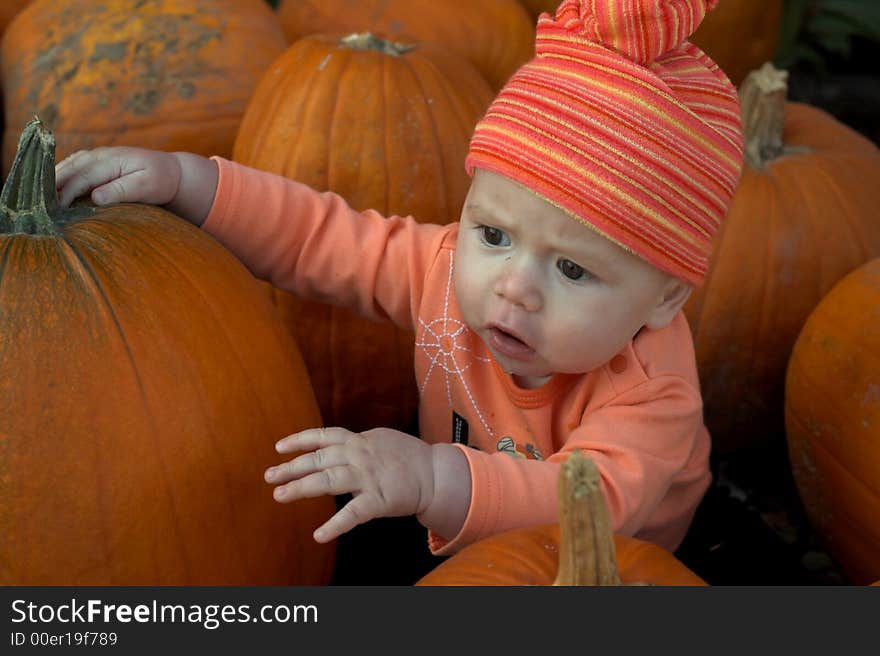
(622, 123)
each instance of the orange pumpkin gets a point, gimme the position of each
(173, 75)
(496, 36)
(832, 419)
(144, 379)
(804, 215)
(387, 128)
(579, 550)
(740, 35)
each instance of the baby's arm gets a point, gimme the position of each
(185, 183)
(389, 474)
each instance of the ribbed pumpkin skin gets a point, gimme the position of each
(794, 229)
(385, 132)
(144, 379)
(740, 35)
(496, 36)
(170, 75)
(832, 419)
(530, 557)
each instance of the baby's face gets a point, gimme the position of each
(545, 292)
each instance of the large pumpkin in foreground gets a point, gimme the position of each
(832, 419)
(144, 379)
(579, 550)
(386, 127)
(805, 214)
(164, 74)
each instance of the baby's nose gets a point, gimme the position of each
(519, 286)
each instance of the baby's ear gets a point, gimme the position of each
(675, 294)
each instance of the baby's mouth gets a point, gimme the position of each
(508, 344)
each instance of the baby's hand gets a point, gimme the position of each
(388, 473)
(118, 174)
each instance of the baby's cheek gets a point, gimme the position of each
(574, 347)
(469, 281)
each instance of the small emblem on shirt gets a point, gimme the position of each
(528, 452)
(459, 429)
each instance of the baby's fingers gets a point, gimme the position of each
(66, 167)
(314, 438)
(308, 463)
(336, 480)
(83, 172)
(359, 510)
(116, 175)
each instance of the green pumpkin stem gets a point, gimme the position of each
(29, 200)
(586, 542)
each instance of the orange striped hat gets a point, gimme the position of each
(625, 125)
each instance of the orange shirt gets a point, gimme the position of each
(639, 417)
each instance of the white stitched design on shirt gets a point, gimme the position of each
(441, 342)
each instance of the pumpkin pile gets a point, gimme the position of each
(145, 374)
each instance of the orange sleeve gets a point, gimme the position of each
(314, 245)
(642, 443)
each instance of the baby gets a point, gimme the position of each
(548, 319)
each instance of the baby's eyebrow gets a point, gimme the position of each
(475, 209)
(486, 215)
(477, 215)
(585, 255)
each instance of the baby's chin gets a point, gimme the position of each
(547, 373)
(530, 382)
(525, 376)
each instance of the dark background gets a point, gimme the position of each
(831, 49)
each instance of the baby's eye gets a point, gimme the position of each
(572, 271)
(494, 236)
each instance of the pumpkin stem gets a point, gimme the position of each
(366, 41)
(29, 200)
(762, 97)
(586, 541)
